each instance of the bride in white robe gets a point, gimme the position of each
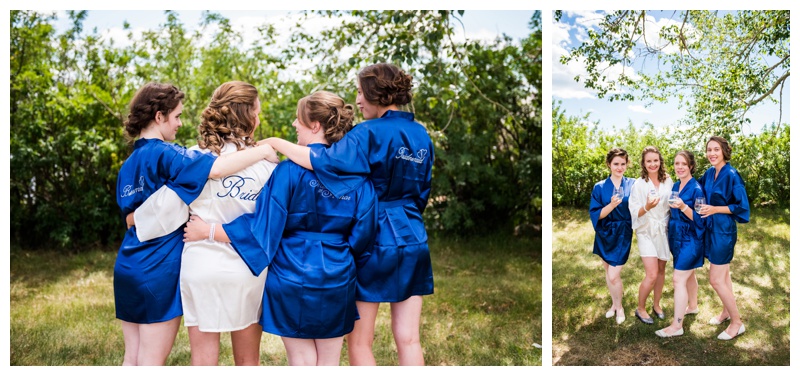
(649, 208)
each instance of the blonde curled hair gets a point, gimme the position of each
(229, 117)
(333, 114)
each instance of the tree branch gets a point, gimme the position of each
(771, 90)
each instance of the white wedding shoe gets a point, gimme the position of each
(725, 337)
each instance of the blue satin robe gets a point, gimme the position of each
(721, 233)
(686, 236)
(614, 233)
(396, 154)
(309, 238)
(146, 274)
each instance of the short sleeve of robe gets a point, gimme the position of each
(596, 205)
(161, 214)
(188, 171)
(345, 164)
(740, 205)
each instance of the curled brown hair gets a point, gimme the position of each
(385, 84)
(723, 144)
(149, 100)
(333, 114)
(229, 117)
(616, 152)
(690, 160)
(662, 172)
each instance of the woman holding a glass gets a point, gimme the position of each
(649, 217)
(727, 204)
(611, 220)
(685, 240)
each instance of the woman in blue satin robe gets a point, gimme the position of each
(727, 204)
(686, 235)
(146, 273)
(611, 220)
(395, 153)
(309, 238)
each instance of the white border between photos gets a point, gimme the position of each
(546, 8)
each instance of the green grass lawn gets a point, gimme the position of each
(486, 309)
(583, 336)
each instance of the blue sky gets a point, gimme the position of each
(478, 24)
(577, 100)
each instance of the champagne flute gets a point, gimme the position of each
(673, 197)
(699, 203)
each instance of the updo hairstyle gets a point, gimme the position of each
(229, 117)
(616, 152)
(149, 100)
(724, 145)
(385, 84)
(690, 160)
(333, 114)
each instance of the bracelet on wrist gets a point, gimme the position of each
(211, 231)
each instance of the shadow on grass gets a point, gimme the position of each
(583, 336)
(36, 269)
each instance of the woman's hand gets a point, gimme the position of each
(678, 204)
(708, 210)
(129, 220)
(196, 229)
(615, 201)
(269, 152)
(651, 203)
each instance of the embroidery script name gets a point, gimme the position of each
(129, 190)
(405, 154)
(324, 192)
(234, 185)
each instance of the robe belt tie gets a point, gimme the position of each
(382, 205)
(321, 236)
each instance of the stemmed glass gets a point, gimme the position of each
(653, 194)
(699, 203)
(673, 197)
(618, 192)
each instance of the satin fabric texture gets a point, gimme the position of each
(721, 234)
(614, 233)
(146, 273)
(396, 154)
(687, 236)
(310, 239)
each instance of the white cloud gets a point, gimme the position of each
(564, 85)
(639, 108)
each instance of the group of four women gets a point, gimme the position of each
(306, 249)
(691, 219)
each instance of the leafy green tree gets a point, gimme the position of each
(580, 147)
(61, 138)
(717, 65)
(480, 102)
